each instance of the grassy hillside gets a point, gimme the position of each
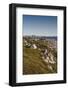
(34, 64)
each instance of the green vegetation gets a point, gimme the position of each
(32, 58)
(33, 64)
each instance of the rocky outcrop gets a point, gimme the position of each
(34, 46)
(48, 58)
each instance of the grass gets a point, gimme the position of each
(33, 63)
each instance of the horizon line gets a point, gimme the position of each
(39, 35)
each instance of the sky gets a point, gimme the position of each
(40, 25)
